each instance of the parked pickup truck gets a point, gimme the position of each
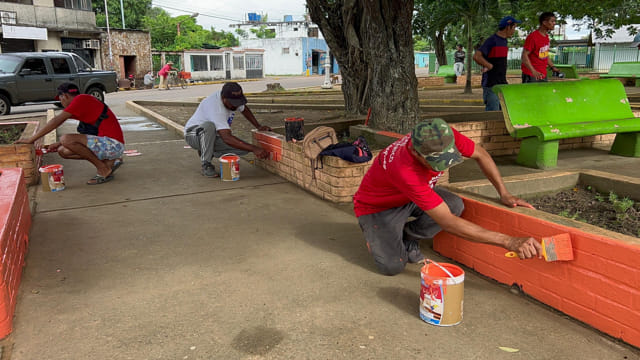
(33, 77)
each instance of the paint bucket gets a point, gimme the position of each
(442, 293)
(52, 177)
(230, 167)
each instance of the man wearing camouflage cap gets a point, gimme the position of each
(401, 184)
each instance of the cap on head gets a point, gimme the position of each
(434, 140)
(67, 88)
(232, 92)
(636, 41)
(506, 21)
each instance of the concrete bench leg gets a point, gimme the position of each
(538, 154)
(626, 144)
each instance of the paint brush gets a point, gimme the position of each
(554, 248)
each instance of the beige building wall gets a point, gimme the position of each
(131, 52)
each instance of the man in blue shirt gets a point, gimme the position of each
(492, 56)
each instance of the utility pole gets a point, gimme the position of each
(122, 14)
(106, 12)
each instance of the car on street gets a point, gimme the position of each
(33, 77)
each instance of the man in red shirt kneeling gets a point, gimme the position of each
(401, 184)
(102, 149)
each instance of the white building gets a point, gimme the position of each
(225, 63)
(298, 47)
(616, 48)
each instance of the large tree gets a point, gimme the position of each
(372, 42)
(134, 12)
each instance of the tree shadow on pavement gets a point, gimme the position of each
(344, 239)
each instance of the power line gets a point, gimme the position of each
(199, 13)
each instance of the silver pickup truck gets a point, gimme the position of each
(32, 77)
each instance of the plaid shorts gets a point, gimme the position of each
(104, 147)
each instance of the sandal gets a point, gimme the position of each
(116, 165)
(98, 179)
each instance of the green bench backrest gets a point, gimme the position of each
(625, 68)
(446, 70)
(569, 71)
(565, 102)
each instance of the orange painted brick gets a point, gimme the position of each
(592, 318)
(617, 312)
(631, 336)
(594, 262)
(493, 272)
(541, 294)
(611, 249)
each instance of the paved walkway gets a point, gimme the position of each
(162, 263)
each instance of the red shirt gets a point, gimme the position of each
(165, 70)
(87, 109)
(397, 178)
(538, 47)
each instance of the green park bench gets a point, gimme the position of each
(569, 71)
(448, 73)
(624, 70)
(543, 113)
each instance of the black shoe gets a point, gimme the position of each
(209, 170)
(413, 252)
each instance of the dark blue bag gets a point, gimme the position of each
(358, 152)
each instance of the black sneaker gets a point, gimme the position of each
(413, 252)
(208, 170)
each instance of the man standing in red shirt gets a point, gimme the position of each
(102, 149)
(535, 54)
(401, 184)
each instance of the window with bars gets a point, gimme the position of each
(199, 63)
(254, 62)
(238, 62)
(73, 4)
(216, 62)
(312, 32)
(285, 51)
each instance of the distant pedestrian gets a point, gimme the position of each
(459, 56)
(535, 53)
(636, 42)
(148, 80)
(209, 128)
(164, 73)
(492, 56)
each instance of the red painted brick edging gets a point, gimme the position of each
(15, 222)
(600, 287)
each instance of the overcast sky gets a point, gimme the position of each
(220, 14)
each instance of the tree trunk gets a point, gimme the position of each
(438, 46)
(467, 85)
(373, 44)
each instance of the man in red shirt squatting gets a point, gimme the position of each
(101, 150)
(535, 53)
(401, 184)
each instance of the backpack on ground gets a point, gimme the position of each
(356, 152)
(314, 142)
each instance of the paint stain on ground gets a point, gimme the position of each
(258, 340)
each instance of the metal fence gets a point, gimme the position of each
(587, 59)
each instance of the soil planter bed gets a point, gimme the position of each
(600, 287)
(23, 155)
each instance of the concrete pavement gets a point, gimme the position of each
(162, 263)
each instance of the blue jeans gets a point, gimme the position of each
(491, 100)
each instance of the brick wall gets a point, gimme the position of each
(15, 222)
(23, 155)
(476, 80)
(337, 181)
(430, 81)
(127, 43)
(600, 287)
(494, 137)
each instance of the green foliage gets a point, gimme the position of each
(242, 33)
(263, 33)
(134, 12)
(10, 133)
(164, 33)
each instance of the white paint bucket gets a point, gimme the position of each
(441, 293)
(230, 167)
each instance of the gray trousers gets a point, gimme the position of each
(387, 232)
(205, 139)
